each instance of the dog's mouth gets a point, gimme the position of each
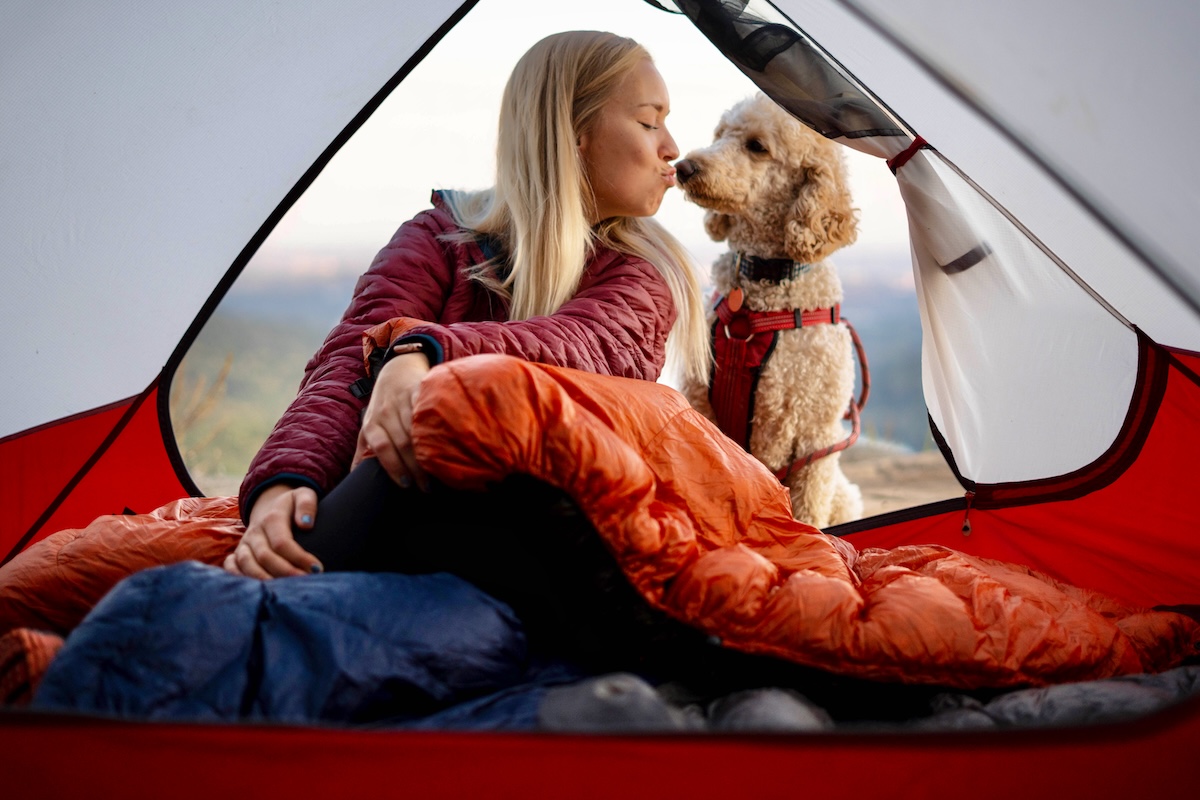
(694, 193)
(697, 189)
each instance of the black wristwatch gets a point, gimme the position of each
(381, 355)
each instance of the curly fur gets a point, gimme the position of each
(774, 188)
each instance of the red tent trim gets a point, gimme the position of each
(1150, 756)
(1150, 388)
(16, 511)
(1154, 363)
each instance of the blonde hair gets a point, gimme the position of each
(541, 202)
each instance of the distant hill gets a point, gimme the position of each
(246, 365)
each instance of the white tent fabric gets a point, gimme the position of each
(1023, 369)
(137, 169)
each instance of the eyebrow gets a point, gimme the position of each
(656, 106)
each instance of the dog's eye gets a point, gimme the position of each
(755, 146)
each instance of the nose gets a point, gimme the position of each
(684, 170)
(669, 150)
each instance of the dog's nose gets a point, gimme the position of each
(684, 169)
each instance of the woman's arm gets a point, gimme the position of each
(313, 443)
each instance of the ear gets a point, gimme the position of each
(821, 220)
(717, 225)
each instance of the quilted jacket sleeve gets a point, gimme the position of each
(313, 442)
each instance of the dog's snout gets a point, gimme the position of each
(684, 169)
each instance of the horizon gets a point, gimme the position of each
(384, 174)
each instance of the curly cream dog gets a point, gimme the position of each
(776, 192)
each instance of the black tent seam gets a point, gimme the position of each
(887, 519)
(54, 423)
(272, 221)
(1187, 371)
(82, 472)
(940, 440)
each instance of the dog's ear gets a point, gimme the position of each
(822, 219)
(717, 225)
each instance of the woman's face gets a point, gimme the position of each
(627, 152)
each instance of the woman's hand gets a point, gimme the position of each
(386, 432)
(268, 549)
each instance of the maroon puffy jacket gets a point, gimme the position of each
(616, 324)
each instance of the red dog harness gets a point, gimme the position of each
(740, 353)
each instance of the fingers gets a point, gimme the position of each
(361, 452)
(255, 559)
(269, 549)
(230, 565)
(397, 458)
(386, 433)
(305, 502)
(377, 440)
(415, 475)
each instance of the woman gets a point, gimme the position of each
(557, 263)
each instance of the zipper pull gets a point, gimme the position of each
(966, 526)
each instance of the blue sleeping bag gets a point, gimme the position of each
(190, 641)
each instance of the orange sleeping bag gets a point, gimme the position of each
(704, 532)
(56, 582)
(701, 529)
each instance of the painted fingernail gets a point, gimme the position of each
(405, 482)
(306, 519)
(316, 569)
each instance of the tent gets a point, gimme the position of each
(148, 151)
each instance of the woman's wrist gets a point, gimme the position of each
(427, 345)
(411, 348)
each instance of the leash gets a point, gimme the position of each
(740, 353)
(853, 413)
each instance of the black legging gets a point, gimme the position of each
(526, 543)
(521, 541)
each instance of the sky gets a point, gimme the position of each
(437, 130)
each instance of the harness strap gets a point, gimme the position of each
(853, 414)
(740, 353)
(903, 157)
(762, 321)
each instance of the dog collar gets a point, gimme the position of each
(755, 268)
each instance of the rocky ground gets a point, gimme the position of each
(892, 479)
